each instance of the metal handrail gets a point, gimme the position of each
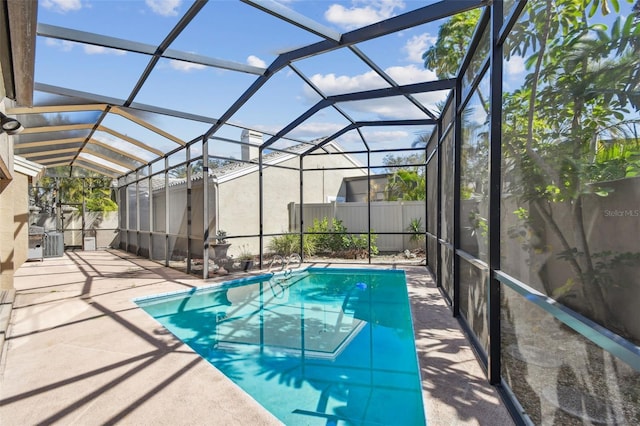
(273, 259)
(296, 258)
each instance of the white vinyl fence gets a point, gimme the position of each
(386, 216)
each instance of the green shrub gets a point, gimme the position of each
(325, 239)
(418, 230)
(334, 239)
(308, 245)
(285, 245)
(360, 242)
(329, 238)
(288, 244)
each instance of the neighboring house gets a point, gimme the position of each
(358, 217)
(234, 194)
(358, 188)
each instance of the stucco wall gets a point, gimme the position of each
(234, 201)
(20, 198)
(14, 226)
(6, 233)
(7, 248)
(6, 148)
(6, 142)
(239, 198)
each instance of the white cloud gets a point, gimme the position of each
(185, 66)
(417, 45)
(63, 45)
(256, 62)
(164, 7)
(99, 50)
(362, 13)
(331, 84)
(477, 115)
(62, 6)
(515, 65)
(384, 138)
(350, 140)
(122, 145)
(387, 136)
(431, 99)
(410, 74)
(395, 107)
(313, 130)
(89, 49)
(306, 131)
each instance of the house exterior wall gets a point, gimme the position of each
(8, 247)
(239, 198)
(20, 198)
(14, 226)
(234, 199)
(357, 189)
(6, 151)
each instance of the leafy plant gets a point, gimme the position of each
(569, 128)
(327, 239)
(335, 239)
(359, 244)
(94, 190)
(221, 237)
(478, 223)
(406, 185)
(100, 201)
(245, 254)
(416, 227)
(289, 244)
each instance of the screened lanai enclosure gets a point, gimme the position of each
(494, 142)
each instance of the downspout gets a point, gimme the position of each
(260, 205)
(205, 207)
(216, 186)
(189, 209)
(369, 205)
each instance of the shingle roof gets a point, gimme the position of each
(240, 168)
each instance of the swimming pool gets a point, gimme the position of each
(320, 346)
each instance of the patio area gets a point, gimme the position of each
(79, 351)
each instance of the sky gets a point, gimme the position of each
(234, 31)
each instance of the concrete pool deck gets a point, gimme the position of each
(79, 351)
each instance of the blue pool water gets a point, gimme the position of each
(315, 347)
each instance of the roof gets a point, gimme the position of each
(121, 85)
(28, 168)
(237, 169)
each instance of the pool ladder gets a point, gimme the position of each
(295, 257)
(279, 285)
(273, 262)
(284, 264)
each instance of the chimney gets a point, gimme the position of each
(255, 139)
